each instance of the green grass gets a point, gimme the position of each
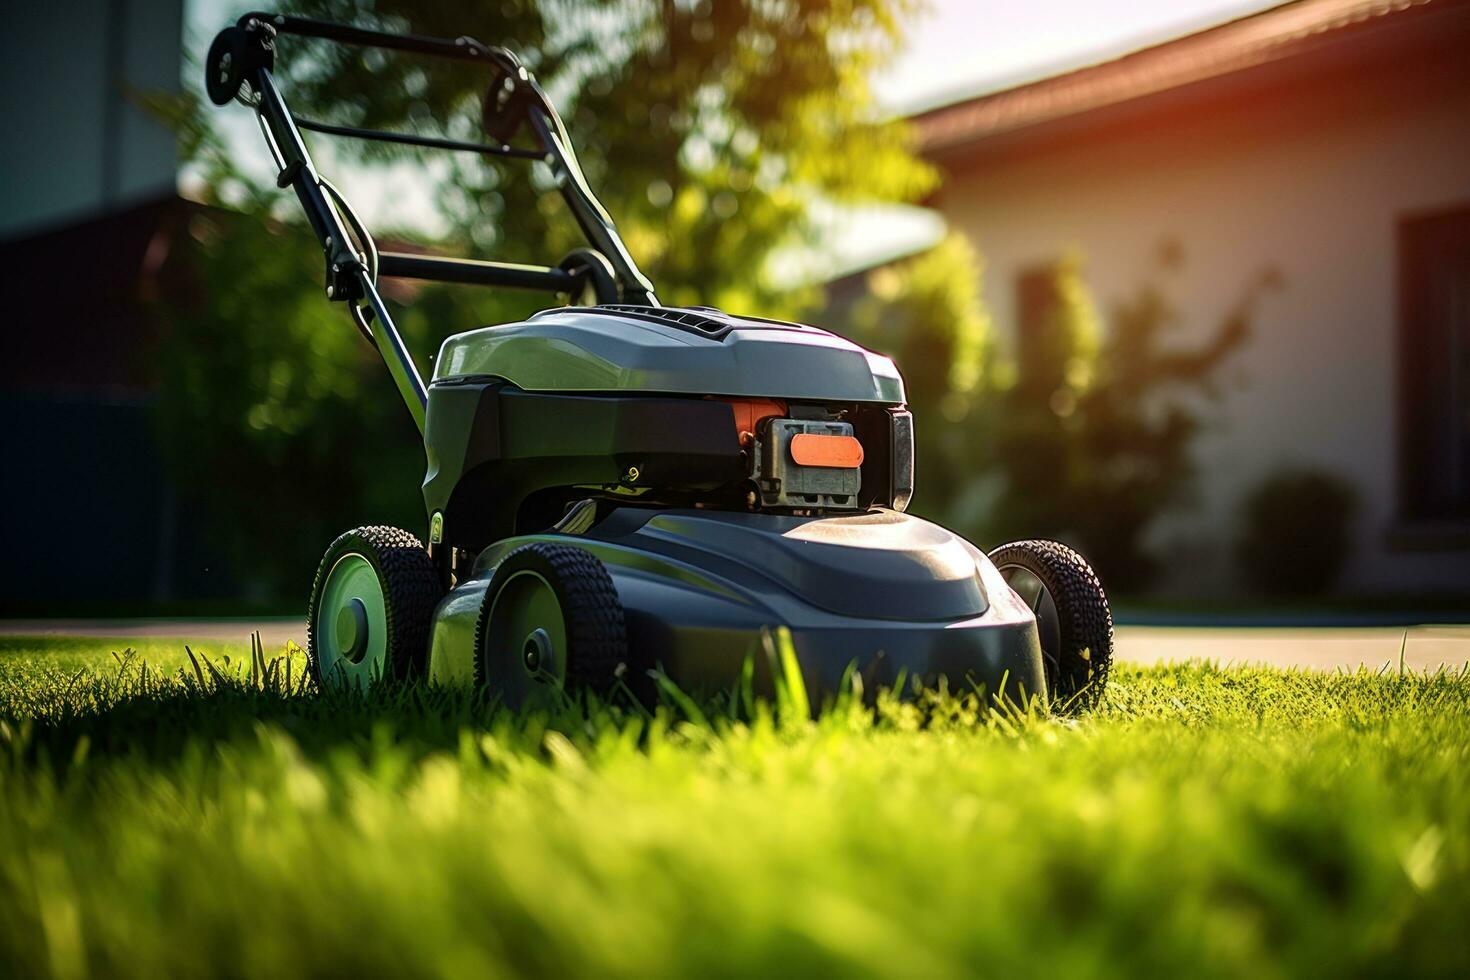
(1204, 822)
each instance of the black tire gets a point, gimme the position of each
(594, 632)
(410, 589)
(1077, 641)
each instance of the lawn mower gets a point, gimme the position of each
(618, 488)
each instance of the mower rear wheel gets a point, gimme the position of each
(371, 607)
(1072, 618)
(551, 620)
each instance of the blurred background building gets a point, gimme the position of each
(1327, 141)
(89, 212)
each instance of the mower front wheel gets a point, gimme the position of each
(1073, 619)
(371, 607)
(551, 620)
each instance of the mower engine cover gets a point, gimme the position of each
(658, 406)
(671, 351)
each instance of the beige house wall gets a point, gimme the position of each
(1311, 178)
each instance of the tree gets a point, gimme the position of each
(926, 313)
(1081, 433)
(709, 131)
(1095, 437)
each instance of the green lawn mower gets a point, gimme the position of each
(619, 486)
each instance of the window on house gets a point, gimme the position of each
(1434, 366)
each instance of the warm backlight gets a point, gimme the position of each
(809, 449)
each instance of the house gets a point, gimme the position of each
(1327, 140)
(98, 250)
(89, 215)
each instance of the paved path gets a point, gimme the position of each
(274, 632)
(1422, 647)
(1325, 648)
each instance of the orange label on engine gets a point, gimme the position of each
(810, 449)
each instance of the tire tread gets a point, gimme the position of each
(597, 635)
(1085, 619)
(411, 591)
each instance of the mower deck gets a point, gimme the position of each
(894, 596)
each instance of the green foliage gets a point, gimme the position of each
(1206, 822)
(1296, 532)
(926, 313)
(275, 410)
(1082, 435)
(708, 129)
(1094, 439)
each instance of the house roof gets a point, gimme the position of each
(1271, 35)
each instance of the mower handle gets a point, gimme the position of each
(245, 54)
(513, 93)
(463, 48)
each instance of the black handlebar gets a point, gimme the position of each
(402, 265)
(244, 55)
(514, 102)
(463, 48)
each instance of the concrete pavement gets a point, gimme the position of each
(1329, 648)
(1315, 648)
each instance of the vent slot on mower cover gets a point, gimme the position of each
(703, 321)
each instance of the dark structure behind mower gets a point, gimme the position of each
(621, 485)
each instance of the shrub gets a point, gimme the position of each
(1296, 532)
(1081, 431)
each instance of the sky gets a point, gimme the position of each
(956, 49)
(960, 48)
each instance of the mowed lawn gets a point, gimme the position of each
(1204, 822)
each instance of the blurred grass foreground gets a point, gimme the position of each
(198, 816)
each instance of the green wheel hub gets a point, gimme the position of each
(525, 643)
(352, 629)
(351, 624)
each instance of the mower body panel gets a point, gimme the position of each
(668, 351)
(890, 596)
(491, 445)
